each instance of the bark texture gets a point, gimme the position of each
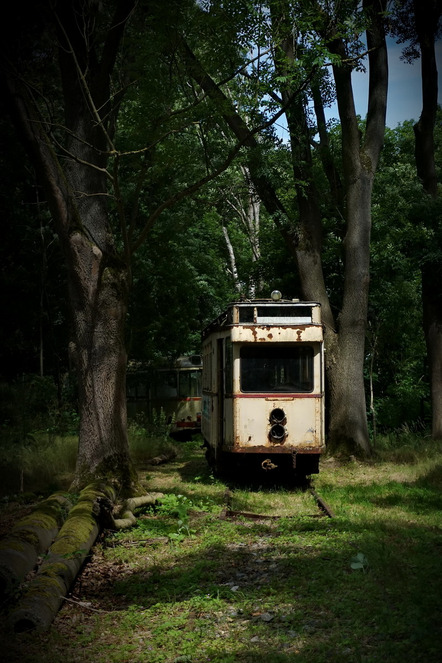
(432, 320)
(348, 421)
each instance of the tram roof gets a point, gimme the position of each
(292, 312)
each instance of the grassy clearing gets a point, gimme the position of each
(185, 586)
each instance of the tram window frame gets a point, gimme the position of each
(207, 367)
(228, 373)
(256, 361)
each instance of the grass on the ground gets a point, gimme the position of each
(185, 586)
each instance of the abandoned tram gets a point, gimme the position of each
(263, 387)
(171, 390)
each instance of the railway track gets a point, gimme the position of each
(324, 509)
(322, 505)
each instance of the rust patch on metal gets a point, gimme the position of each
(270, 449)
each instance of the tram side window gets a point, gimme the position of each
(276, 369)
(207, 368)
(136, 386)
(166, 386)
(141, 390)
(189, 384)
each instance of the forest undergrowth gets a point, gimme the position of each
(187, 586)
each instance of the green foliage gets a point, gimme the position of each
(406, 233)
(42, 463)
(36, 403)
(32, 281)
(175, 292)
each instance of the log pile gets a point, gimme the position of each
(29, 538)
(67, 549)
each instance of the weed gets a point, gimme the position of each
(149, 437)
(178, 507)
(359, 562)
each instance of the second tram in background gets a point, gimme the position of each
(171, 390)
(263, 387)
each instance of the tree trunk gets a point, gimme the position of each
(251, 219)
(43, 597)
(99, 314)
(432, 319)
(345, 339)
(233, 267)
(359, 162)
(348, 419)
(76, 188)
(427, 19)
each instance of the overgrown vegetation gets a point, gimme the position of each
(39, 439)
(187, 586)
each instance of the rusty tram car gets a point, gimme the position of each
(263, 387)
(172, 389)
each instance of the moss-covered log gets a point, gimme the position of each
(126, 517)
(42, 599)
(28, 539)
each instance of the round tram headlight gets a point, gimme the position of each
(276, 295)
(277, 416)
(277, 434)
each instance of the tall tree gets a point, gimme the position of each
(421, 25)
(428, 26)
(292, 25)
(70, 157)
(66, 70)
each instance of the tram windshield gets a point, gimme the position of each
(189, 384)
(269, 368)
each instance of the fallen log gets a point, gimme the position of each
(43, 597)
(126, 517)
(30, 537)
